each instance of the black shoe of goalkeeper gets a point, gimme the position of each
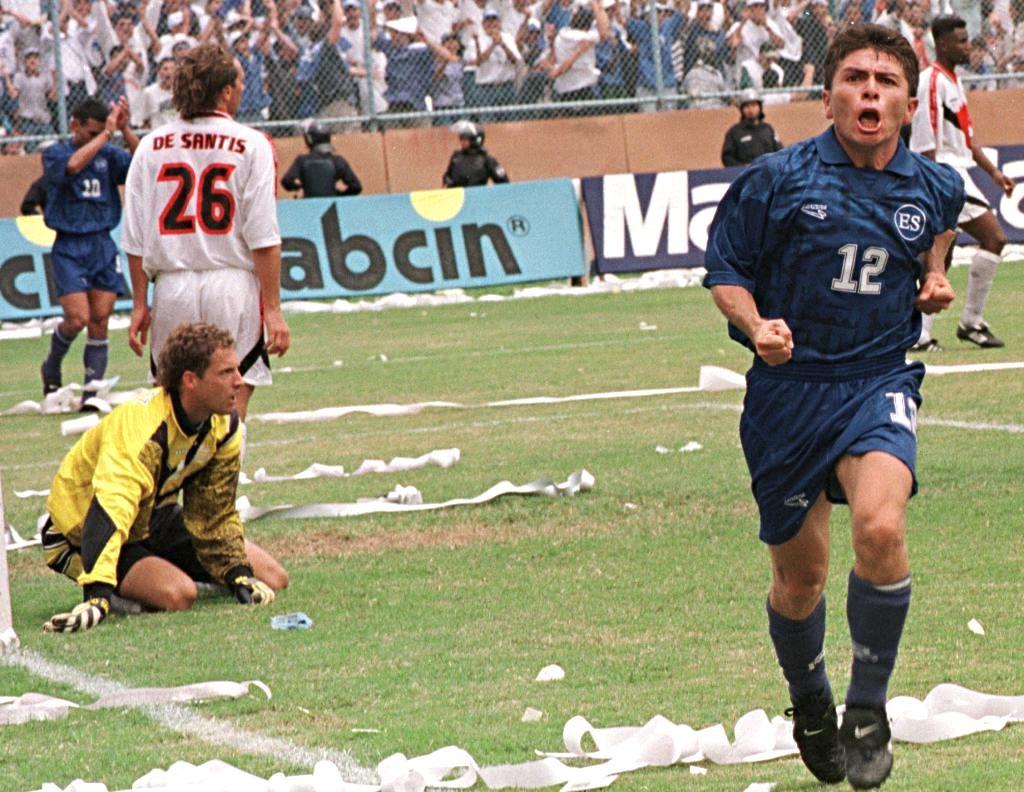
(816, 732)
(979, 334)
(866, 737)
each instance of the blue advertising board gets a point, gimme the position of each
(370, 245)
(649, 221)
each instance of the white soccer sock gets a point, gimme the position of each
(926, 328)
(979, 284)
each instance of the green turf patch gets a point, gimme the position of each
(649, 590)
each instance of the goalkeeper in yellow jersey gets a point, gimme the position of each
(115, 522)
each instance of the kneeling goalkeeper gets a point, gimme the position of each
(115, 521)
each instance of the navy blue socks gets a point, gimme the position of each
(800, 648)
(95, 358)
(876, 615)
(59, 346)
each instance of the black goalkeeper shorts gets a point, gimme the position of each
(168, 540)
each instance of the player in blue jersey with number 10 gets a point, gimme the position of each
(83, 206)
(822, 257)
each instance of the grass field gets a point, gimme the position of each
(430, 628)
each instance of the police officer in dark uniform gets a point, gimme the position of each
(317, 173)
(471, 165)
(751, 137)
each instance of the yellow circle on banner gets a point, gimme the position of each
(35, 230)
(438, 205)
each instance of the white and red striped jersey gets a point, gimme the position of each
(201, 195)
(942, 122)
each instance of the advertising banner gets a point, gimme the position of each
(370, 245)
(649, 221)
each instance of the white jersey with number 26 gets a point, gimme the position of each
(201, 195)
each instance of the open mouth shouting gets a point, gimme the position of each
(869, 122)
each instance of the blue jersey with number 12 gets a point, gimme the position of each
(88, 201)
(833, 249)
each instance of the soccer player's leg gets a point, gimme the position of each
(991, 241)
(230, 298)
(266, 567)
(796, 623)
(157, 584)
(877, 486)
(784, 431)
(71, 280)
(101, 305)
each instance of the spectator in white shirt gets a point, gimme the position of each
(437, 18)
(156, 105)
(784, 14)
(79, 49)
(496, 57)
(752, 30)
(572, 57)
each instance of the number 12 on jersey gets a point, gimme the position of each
(875, 259)
(211, 205)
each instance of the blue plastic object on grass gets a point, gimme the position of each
(291, 621)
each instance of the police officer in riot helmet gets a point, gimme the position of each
(471, 165)
(318, 172)
(751, 137)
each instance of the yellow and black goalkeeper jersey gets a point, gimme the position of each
(137, 459)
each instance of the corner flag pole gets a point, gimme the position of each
(8, 638)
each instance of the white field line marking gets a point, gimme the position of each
(976, 426)
(952, 423)
(187, 722)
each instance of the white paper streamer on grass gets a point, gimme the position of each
(442, 457)
(67, 399)
(578, 481)
(711, 379)
(38, 706)
(27, 707)
(14, 540)
(975, 627)
(947, 712)
(550, 673)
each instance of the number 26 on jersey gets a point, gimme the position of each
(201, 201)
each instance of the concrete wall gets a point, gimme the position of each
(414, 159)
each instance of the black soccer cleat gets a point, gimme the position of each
(931, 345)
(83, 407)
(816, 731)
(867, 740)
(979, 334)
(49, 385)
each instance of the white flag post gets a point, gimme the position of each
(8, 638)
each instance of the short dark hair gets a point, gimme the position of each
(189, 347)
(90, 109)
(942, 26)
(876, 37)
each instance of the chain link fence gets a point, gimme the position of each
(372, 64)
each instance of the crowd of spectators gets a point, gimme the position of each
(313, 58)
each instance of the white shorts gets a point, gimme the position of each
(228, 298)
(976, 204)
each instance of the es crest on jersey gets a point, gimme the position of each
(910, 221)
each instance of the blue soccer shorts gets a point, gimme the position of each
(85, 262)
(795, 431)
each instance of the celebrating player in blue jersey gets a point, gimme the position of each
(823, 257)
(83, 205)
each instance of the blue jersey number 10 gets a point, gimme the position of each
(875, 259)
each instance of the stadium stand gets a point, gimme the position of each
(368, 64)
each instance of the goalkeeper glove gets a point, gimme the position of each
(82, 617)
(251, 590)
